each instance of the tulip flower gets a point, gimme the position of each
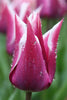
(34, 60)
(52, 8)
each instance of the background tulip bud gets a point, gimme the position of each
(52, 8)
(3, 25)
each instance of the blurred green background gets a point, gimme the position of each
(58, 89)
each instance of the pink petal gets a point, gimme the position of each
(25, 11)
(20, 30)
(50, 43)
(36, 26)
(38, 10)
(10, 17)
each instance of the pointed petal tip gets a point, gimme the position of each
(34, 14)
(34, 19)
(62, 19)
(29, 24)
(60, 22)
(24, 8)
(38, 10)
(16, 18)
(19, 23)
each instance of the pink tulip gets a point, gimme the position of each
(52, 8)
(34, 60)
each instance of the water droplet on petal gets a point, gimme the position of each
(11, 65)
(54, 79)
(56, 56)
(12, 59)
(34, 43)
(14, 86)
(41, 73)
(56, 51)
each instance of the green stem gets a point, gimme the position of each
(28, 95)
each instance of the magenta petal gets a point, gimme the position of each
(36, 26)
(10, 17)
(45, 38)
(38, 10)
(25, 11)
(50, 43)
(30, 72)
(20, 30)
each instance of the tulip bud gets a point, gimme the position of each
(63, 5)
(34, 60)
(52, 8)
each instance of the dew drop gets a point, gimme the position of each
(56, 56)
(14, 86)
(11, 65)
(41, 73)
(54, 79)
(34, 43)
(56, 51)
